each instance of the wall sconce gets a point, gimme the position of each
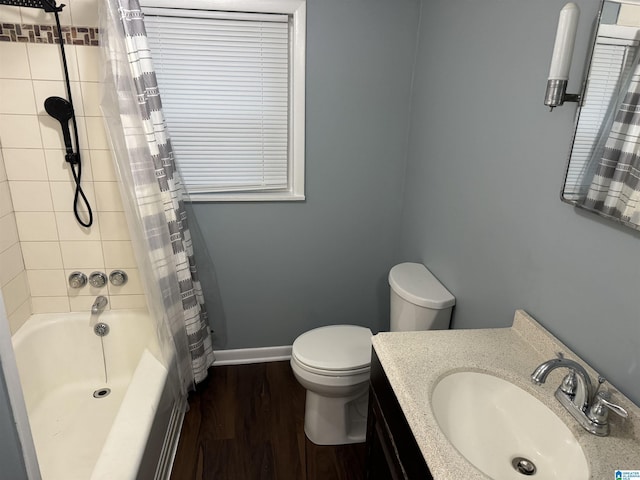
(561, 60)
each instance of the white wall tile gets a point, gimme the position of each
(10, 14)
(96, 133)
(3, 173)
(118, 254)
(25, 164)
(31, 196)
(70, 229)
(54, 244)
(108, 197)
(41, 255)
(45, 61)
(44, 89)
(20, 131)
(14, 60)
(62, 194)
(84, 13)
(8, 231)
(47, 283)
(80, 255)
(37, 226)
(125, 302)
(16, 97)
(16, 292)
(10, 264)
(40, 17)
(6, 205)
(113, 226)
(50, 304)
(17, 318)
(102, 166)
(59, 170)
(91, 99)
(88, 63)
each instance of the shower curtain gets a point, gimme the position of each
(152, 191)
(615, 188)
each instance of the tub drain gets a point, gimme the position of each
(101, 392)
(524, 466)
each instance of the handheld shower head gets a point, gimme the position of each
(62, 110)
(59, 108)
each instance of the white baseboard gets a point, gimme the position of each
(241, 356)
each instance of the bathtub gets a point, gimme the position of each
(93, 416)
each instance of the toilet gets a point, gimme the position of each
(332, 363)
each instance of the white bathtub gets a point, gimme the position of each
(131, 433)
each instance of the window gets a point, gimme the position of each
(231, 76)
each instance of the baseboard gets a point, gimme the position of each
(242, 356)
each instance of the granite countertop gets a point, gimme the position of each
(414, 362)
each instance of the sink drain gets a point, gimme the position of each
(101, 392)
(524, 466)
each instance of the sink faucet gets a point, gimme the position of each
(577, 395)
(577, 383)
(98, 305)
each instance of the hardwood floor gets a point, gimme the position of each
(246, 423)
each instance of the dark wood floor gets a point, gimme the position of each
(246, 423)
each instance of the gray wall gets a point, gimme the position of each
(11, 461)
(284, 268)
(485, 167)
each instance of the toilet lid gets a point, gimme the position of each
(336, 347)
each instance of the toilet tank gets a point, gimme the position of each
(418, 300)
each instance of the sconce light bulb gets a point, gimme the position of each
(565, 40)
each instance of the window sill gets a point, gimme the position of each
(245, 197)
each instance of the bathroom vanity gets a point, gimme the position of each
(411, 434)
(392, 450)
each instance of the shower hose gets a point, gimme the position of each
(75, 163)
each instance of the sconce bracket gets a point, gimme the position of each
(556, 94)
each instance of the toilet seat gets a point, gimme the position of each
(329, 373)
(336, 350)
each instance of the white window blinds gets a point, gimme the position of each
(610, 63)
(224, 81)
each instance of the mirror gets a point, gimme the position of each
(603, 170)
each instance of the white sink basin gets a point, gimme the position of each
(491, 422)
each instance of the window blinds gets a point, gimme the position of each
(224, 81)
(610, 63)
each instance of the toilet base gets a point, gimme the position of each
(336, 420)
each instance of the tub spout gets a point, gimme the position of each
(98, 305)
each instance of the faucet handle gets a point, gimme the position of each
(570, 383)
(599, 411)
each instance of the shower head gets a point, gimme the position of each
(62, 110)
(59, 108)
(46, 5)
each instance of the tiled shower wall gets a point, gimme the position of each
(13, 277)
(38, 203)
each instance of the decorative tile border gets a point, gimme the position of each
(26, 33)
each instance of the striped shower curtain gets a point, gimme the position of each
(150, 182)
(615, 188)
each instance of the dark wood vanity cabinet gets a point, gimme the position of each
(392, 451)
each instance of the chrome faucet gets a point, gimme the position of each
(577, 383)
(576, 393)
(98, 305)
